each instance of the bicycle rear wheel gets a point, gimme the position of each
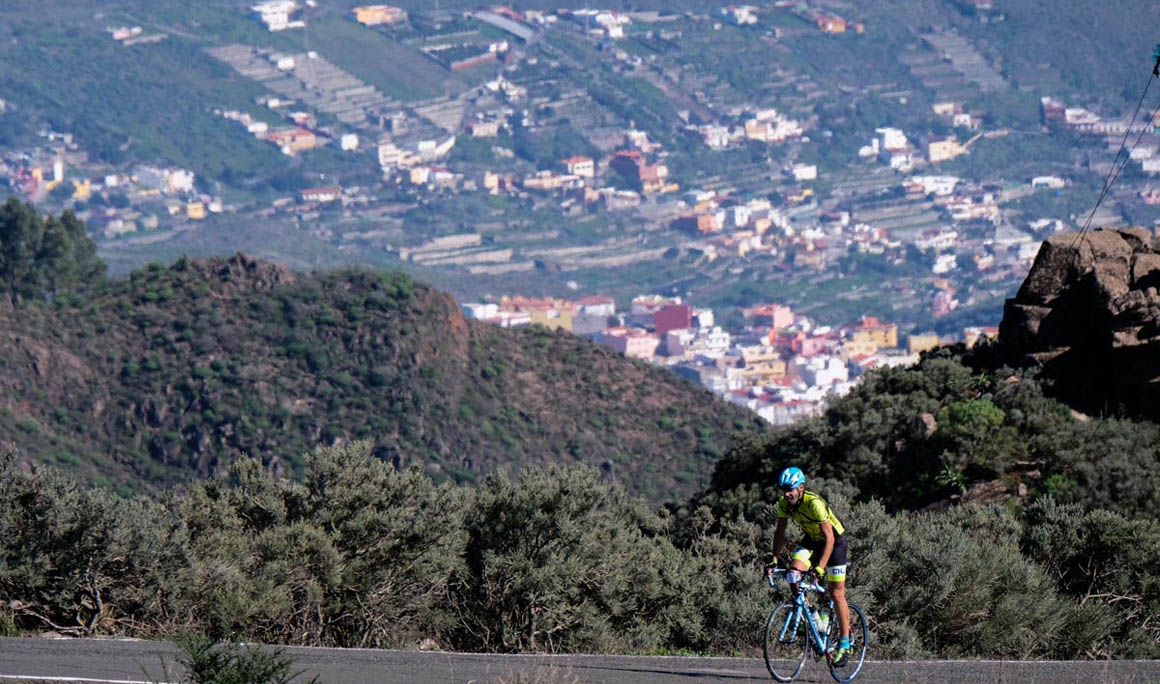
(859, 642)
(786, 641)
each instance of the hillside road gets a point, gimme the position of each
(137, 662)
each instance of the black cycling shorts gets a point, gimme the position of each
(836, 566)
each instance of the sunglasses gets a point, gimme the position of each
(787, 490)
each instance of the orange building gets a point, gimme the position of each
(371, 15)
(293, 140)
(831, 23)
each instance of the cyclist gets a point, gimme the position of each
(823, 546)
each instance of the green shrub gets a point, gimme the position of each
(1102, 558)
(7, 625)
(558, 560)
(956, 584)
(82, 560)
(208, 662)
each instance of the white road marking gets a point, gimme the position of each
(88, 680)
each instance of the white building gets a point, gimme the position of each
(740, 215)
(902, 162)
(596, 306)
(716, 137)
(169, 181)
(703, 318)
(820, 371)
(805, 172)
(938, 185)
(708, 342)
(892, 139)
(275, 14)
(1078, 116)
(937, 239)
(179, 180)
(740, 15)
(1052, 182)
(793, 410)
(479, 309)
(944, 263)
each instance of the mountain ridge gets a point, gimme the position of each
(178, 370)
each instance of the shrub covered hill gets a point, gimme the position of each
(176, 371)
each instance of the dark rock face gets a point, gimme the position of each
(1089, 315)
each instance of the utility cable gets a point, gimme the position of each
(1114, 171)
(1130, 150)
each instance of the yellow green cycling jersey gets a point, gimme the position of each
(809, 514)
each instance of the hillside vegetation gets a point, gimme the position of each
(360, 554)
(176, 371)
(981, 513)
(985, 518)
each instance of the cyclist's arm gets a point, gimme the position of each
(827, 532)
(778, 537)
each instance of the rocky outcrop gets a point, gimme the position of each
(227, 276)
(1089, 315)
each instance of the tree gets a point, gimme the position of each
(44, 256)
(21, 233)
(67, 258)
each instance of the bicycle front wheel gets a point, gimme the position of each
(786, 641)
(859, 642)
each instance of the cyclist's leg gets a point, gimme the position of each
(803, 555)
(836, 583)
(836, 586)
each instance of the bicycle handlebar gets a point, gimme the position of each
(810, 584)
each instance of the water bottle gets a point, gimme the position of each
(823, 620)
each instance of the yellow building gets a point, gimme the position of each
(549, 312)
(552, 318)
(916, 344)
(762, 366)
(760, 376)
(82, 190)
(861, 343)
(195, 210)
(419, 175)
(884, 335)
(943, 149)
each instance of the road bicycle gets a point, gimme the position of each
(807, 625)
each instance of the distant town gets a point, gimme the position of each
(781, 365)
(466, 184)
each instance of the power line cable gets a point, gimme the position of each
(1143, 129)
(1117, 165)
(1114, 171)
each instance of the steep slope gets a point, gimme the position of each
(177, 371)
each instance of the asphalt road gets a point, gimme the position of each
(140, 662)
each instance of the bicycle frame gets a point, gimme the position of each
(801, 588)
(791, 641)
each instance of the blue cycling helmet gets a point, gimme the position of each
(791, 478)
